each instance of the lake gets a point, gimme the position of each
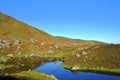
(54, 68)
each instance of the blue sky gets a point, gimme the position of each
(81, 19)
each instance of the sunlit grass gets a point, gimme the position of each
(2, 66)
(32, 75)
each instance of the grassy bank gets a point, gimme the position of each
(27, 75)
(31, 75)
(22, 71)
(101, 59)
(91, 69)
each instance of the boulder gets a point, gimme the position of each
(77, 55)
(56, 46)
(0, 40)
(50, 51)
(4, 60)
(31, 55)
(4, 41)
(18, 47)
(17, 42)
(42, 43)
(10, 55)
(32, 40)
(8, 43)
(19, 53)
(74, 68)
(84, 53)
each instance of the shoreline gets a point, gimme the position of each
(113, 72)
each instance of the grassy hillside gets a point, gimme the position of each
(80, 41)
(19, 38)
(20, 42)
(11, 28)
(97, 58)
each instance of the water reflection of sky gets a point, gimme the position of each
(54, 68)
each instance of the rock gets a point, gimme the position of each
(17, 42)
(8, 43)
(50, 51)
(10, 55)
(86, 56)
(74, 68)
(53, 77)
(77, 55)
(26, 56)
(31, 55)
(18, 47)
(83, 60)
(42, 43)
(4, 60)
(56, 46)
(32, 40)
(19, 53)
(84, 53)
(3, 45)
(0, 40)
(29, 70)
(4, 41)
(6, 74)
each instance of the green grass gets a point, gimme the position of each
(104, 59)
(2, 66)
(32, 75)
(92, 69)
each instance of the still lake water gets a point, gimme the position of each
(54, 68)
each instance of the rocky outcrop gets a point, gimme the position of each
(74, 68)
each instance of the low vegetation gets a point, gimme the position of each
(27, 75)
(31, 75)
(23, 47)
(103, 58)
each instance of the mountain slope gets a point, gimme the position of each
(80, 41)
(18, 39)
(11, 28)
(14, 32)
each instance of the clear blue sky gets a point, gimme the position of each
(82, 19)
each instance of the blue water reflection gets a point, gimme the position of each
(54, 68)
